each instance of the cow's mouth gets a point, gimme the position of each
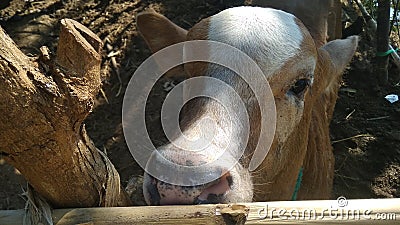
(160, 193)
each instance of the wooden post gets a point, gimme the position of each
(42, 107)
(360, 211)
(383, 31)
(335, 20)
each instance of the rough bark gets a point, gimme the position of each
(42, 108)
(382, 34)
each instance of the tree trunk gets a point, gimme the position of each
(335, 20)
(383, 30)
(42, 107)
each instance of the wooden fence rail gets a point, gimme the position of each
(341, 211)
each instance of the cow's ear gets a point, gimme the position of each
(341, 51)
(158, 31)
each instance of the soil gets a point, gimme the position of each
(364, 129)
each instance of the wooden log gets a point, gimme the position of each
(43, 104)
(362, 211)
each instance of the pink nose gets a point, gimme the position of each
(185, 188)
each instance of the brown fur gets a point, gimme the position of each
(319, 160)
(159, 32)
(198, 32)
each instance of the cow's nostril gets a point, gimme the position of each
(215, 193)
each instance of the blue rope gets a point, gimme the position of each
(388, 52)
(298, 184)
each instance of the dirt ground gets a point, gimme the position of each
(365, 129)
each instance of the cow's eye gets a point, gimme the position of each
(300, 87)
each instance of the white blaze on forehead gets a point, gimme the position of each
(268, 36)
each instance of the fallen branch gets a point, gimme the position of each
(349, 138)
(378, 118)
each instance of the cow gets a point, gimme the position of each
(303, 72)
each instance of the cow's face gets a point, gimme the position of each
(297, 73)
